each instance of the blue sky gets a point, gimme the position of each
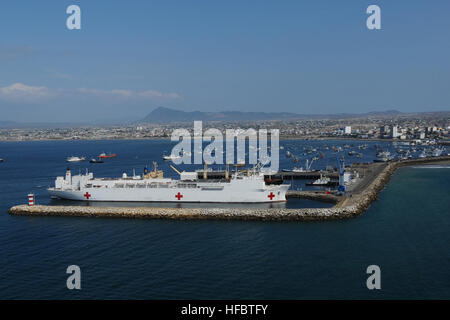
(294, 56)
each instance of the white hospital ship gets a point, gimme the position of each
(239, 187)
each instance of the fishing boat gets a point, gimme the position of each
(437, 152)
(383, 154)
(93, 160)
(423, 154)
(105, 155)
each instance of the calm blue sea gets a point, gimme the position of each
(406, 232)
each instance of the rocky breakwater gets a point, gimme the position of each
(184, 213)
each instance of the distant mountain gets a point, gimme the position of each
(164, 115)
(167, 115)
(381, 113)
(7, 124)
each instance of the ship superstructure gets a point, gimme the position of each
(238, 187)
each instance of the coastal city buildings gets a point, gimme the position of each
(434, 126)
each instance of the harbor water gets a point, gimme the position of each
(406, 232)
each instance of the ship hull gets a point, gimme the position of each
(275, 193)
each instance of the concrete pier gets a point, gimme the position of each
(347, 206)
(310, 175)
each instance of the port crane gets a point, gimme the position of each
(341, 168)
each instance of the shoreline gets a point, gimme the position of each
(346, 207)
(281, 138)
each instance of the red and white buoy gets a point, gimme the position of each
(31, 199)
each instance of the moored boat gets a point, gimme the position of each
(322, 181)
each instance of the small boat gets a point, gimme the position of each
(383, 154)
(109, 155)
(171, 157)
(382, 159)
(93, 160)
(437, 152)
(423, 154)
(351, 153)
(75, 159)
(322, 181)
(295, 169)
(1, 160)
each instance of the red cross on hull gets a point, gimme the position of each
(179, 196)
(87, 195)
(271, 196)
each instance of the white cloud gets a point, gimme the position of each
(19, 92)
(145, 94)
(22, 92)
(157, 94)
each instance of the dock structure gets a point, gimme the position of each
(307, 175)
(350, 205)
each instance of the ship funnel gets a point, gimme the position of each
(68, 176)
